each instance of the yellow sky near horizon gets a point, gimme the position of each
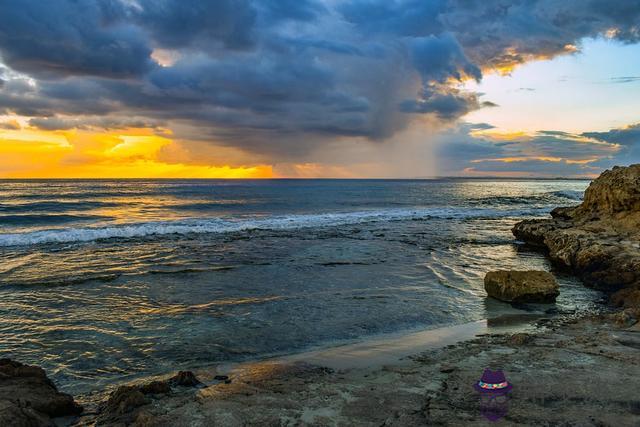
(129, 153)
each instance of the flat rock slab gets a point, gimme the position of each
(522, 286)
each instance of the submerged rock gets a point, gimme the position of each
(598, 240)
(28, 397)
(521, 286)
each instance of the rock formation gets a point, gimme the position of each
(127, 404)
(521, 286)
(598, 240)
(29, 398)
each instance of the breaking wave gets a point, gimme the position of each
(568, 194)
(218, 225)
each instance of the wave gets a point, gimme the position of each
(57, 206)
(217, 225)
(36, 219)
(546, 198)
(506, 200)
(568, 194)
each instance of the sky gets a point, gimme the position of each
(318, 88)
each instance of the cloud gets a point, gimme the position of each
(10, 125)
(95, 123)
(476, 149)
(197, 24)
(277, 78)
(627, 79)
(627, 136)
(446, 104)
(62, 37)
(413, 18)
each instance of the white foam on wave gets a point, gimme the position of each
(217, 225)
(569, 194)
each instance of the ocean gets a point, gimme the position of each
(103, 281)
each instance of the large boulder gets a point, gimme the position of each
(29, 398)
(522, 286)
(615, 191)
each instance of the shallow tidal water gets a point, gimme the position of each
(105, 281)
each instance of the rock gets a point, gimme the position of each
(155, 387)
(519, 339)
(29, 397)
(447, 369)
(124, 399)
(126, 404)
(521, 286)
(597, 240)
(627, 298)
(145, 419)
(14, 414)
(563, 212)
(614, 191)
(123, 404)
(624, 318)
(185, 379)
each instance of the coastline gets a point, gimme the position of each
(580, 364)
(573, 367)
(576, 370)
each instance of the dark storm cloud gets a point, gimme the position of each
(500, 33)
(404, 18)
(441, 58)
(301, 10)
(277, 76)
(446, 104)
(63, 37)
(103, 122)
(180, 23)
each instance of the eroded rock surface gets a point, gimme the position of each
(129, 404)
(598, 240)
(29, 398)
(522, 286)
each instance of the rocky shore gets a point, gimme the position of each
(571, 371)
(29, 398)
(578, 369)
(598, 240)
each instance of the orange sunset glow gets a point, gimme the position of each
(129, 153)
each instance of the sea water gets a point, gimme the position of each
(104, 281)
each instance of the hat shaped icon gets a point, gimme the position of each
(493, 382)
